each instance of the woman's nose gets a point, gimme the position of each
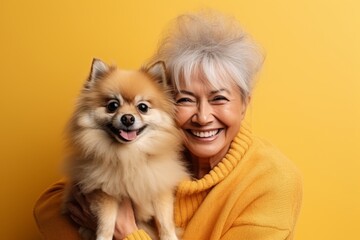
(204, 114)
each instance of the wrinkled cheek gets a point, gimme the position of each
(182, 116)
(178, 119)
(232, 115)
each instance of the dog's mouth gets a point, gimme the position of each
(125, 135)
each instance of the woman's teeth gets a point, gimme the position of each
(203, 134)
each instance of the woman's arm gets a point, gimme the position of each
(53, 224)
(125, 221)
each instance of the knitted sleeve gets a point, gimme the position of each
(270, 208)
(138, 235)
(253, 232)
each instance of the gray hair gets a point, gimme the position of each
(212, 45)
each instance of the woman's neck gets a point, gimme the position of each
(199, 167)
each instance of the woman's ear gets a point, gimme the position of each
(248, 99)
(244, 106)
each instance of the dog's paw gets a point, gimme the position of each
(179, 232)
(103, 238)
(169, 236)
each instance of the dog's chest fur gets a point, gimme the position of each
(129, 172)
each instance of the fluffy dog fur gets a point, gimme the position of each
(124, 143)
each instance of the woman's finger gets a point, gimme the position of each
(82, 201)
(75, 211)
(78, 215)
(78, 196)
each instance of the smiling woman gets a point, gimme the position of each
(210, 119)
(242, 187)
(212, 62)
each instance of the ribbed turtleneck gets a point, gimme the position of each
(191, 193)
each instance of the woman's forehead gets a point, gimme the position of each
(212, 83)
(207, 87)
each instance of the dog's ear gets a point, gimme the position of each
(98, 70)
(158, 72)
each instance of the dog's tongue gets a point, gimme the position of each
(131, 135)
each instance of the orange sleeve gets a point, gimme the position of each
(52, 224)
(138, 235)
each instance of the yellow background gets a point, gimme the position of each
(306, 102)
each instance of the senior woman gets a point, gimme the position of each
(242, 186)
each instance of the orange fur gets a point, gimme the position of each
(110, 160)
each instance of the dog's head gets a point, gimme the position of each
(121, 107)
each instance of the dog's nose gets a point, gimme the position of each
(127, 120)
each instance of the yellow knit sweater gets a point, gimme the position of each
(253, 193)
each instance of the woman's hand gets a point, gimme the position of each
(79, 210)
(125, 221)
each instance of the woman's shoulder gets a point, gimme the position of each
(270, 155)
(256, 150)
(272, 164)
(260, 159)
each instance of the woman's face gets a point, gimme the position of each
(210, 118)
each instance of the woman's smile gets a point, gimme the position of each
(204, 134)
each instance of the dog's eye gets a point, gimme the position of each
(143, 107)
(112, 106)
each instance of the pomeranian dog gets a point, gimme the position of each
(124, 143)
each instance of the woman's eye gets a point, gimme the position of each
(183, 100)
(219, 99)
(143, 107)
(112, 106)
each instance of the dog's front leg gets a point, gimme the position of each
(164, 216)
(105, 208)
